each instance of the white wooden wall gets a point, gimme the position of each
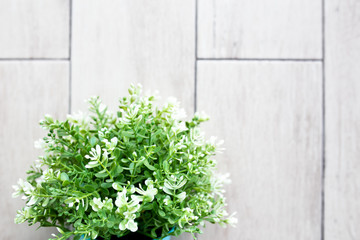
(279, 78)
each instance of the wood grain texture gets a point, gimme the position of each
(121, 42)
(269, 114)
(34, 29)
(342, 179)
(28, 90)
(259, 29)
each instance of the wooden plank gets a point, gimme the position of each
(269, 114)
(34, 29)
(259, 29)
(121, 42)
(28, 90)
(342, 179)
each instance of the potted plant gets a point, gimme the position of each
(143, 170)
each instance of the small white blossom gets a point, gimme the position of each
(23, 187)
(40, 144)
(95, 155)
(96, 204)
(232, 220)
(167, 200)
(150, 192)
(110, 146)
(80, 119)
(121, 199)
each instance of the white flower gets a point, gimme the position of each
(202, 116)
(132, 225)
(150, 192)
(22, 215)
(232, 220)
(167, 200)
(196, 136)
(103, 131)
(110, 146)
(96, 204)
(95, 154)
(212, 141)
(127, 210)
(95, 157)
(181, 196)
(40, 144)
(48, 173)
(81, 119)
(38, 164)
(69, 138)
(121, 199)
(117, 186)
(174, 183)
(179, 113)
(172, 101)
(17, 191)
(187, 217)
(180, 127)
(32, 201)
(128, 224)
(40, 180)
(23, 187)
(108, 203)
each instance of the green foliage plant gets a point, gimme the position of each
(143, 169)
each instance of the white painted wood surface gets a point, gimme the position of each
(342, 205)
(269, 114)
(123, 42)
(28, 90)
(34, 29)
(259, 29)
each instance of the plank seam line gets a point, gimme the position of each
(263, 59)
(34, 59)
(195, 70)
(196, 55)
(70, 53)
(323, 143)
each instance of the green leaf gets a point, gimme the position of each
(77, 223)
(147, 164)
(64, 177)
(116, 153)
(66, 183)
(79, 158)
(69, 200)
(116, 170)
(93, 141)
(161, 213)
(166, 166)
(106, 185)
(90, 188)
(61, 133)
(102, 174)
(45, 202)
(110, 224)
(131, 168)
(77, 237)
(128, 134)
